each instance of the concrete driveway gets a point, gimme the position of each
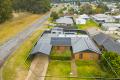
(38, 68)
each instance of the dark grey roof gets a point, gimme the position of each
(111, 45)
(84, 44)
(107, 42)
(43, 46)
(100, 38)
(58, 41)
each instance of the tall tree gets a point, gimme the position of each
(5, 10)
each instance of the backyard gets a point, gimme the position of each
(89, 24)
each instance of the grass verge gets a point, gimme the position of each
(16, 67)
(11, 28)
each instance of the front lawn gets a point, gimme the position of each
(58, 69)
(90, 69)
(89, 24)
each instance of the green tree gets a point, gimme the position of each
(5, 10)
(54, 16)
(86, 9)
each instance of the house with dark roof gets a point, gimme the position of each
(105, 42)
(82, 47)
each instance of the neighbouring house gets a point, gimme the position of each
(65, 21)
(102, 18)
(80, 21)
(105, 42)
(80, 44)
(111, 26)
(84, 16)
(117, 18)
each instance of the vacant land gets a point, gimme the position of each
(57, 70)
(11, 28)
(89, 24)
(17, 66)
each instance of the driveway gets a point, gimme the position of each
(38, 68)
(11, 45)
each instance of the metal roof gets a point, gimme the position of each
(78, 43)
(64, 20)
(83, 44)
(43, 45)
(100, 38)
(107, 42)
(60, 41)
(111, 45)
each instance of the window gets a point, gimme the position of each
(80, 56)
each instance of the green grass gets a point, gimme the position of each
(16, 67)
(90, 69)
(66, 55)
(58, 69)
(89, 24)
(11, 28)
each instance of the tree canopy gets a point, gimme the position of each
(32, 6)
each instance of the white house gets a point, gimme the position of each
(102, 18)
(117, 18)
(80, 21)
(111, 26)
(84, 16)
(65, 20)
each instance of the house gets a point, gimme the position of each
(84, 16)
(105, 42)
(80, 21)
(102, 18)
(85, 49)
(82, 47)
(67, 21)
(111, 26)
(61, 43)
(117, 18)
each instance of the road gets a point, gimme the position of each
(11, 45)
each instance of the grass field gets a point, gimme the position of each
(89, 24)
(12, 27)
(58, 69)
(90, 69)
(17, 67)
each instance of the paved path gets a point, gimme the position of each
(38, 68)
(73, 68)
(11, 45)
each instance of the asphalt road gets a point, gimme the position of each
(11, 45)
